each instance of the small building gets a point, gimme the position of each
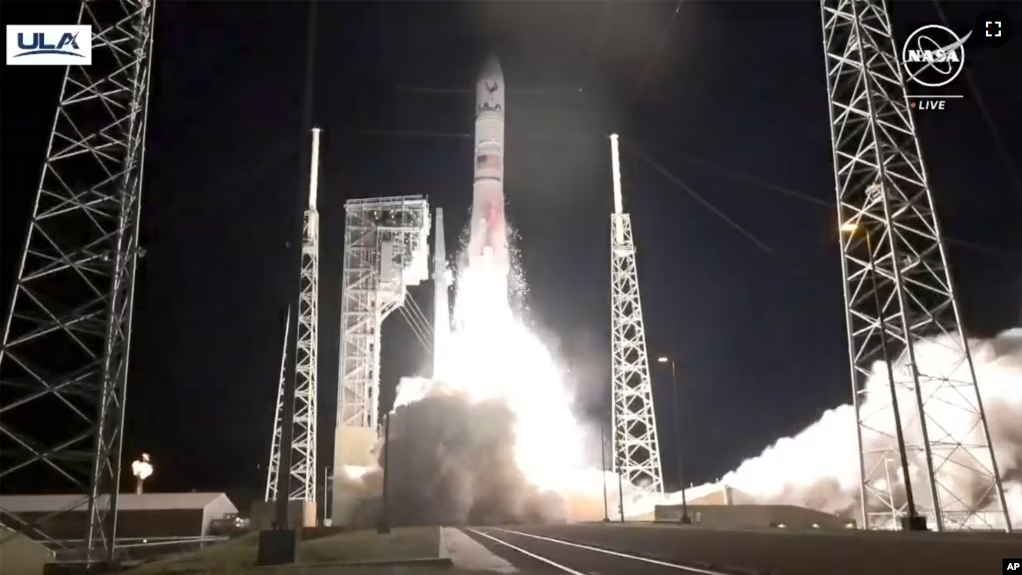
(721, 506)
(753, 517)
(140, 516)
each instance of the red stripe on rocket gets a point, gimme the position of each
(489, 230)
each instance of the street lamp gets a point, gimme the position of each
(912, 522)
(677, 439)
(141, 469)
(383, 521)
(603, 467)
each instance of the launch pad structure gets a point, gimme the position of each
(64, 361)
(67, 332)
(301, 477)
(633, 430)
(898, 291)
(386, 250)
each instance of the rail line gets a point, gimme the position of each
(566, 569)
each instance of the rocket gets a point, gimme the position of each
(488, 239)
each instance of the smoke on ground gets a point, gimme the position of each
(452, 461)
(819, 468)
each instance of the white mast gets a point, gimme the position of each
(302, 480)
(636, 451)
(303, 457)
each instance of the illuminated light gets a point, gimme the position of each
(142, 468)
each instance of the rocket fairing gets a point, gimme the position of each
(488, 237)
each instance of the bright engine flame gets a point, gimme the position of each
(493, 355)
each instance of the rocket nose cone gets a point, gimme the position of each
(492, 67)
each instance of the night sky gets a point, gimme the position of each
(734, 105)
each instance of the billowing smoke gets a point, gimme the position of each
(452, 461)
(818, 468)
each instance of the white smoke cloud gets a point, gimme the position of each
(818, 468)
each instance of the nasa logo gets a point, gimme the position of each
(933, 56)
(29, 45)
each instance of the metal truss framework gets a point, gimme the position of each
(303, 457)
(637, 452)
(633, 429)
(63, 365)
(302, 476)
(385, 251)
(278, 420)
(896, 246)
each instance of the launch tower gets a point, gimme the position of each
(302, 477)
(634, 436)
(898, 290)
(64, 361)
(386, 249)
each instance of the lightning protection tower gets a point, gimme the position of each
(302, 477)
(386, 250)
(64, 361)
(634, 436)
(898, 292)
(278, 423)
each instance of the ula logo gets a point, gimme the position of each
(49, 45)
(933, 56)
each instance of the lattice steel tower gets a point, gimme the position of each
(898, 292)
(386, 250)
(278, 425)
(302, 478)
(64, 361)
(634, 435)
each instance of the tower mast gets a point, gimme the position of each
(303, 460)
(67, 333)
(898, 291)
(303, 444)
(634, 435)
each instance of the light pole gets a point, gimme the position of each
(603, 466)
(620, 487)
(913, 522)
(326, 493)
(677, 439)
(141, 468)
(383, 521)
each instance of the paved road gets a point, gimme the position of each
(648, 549)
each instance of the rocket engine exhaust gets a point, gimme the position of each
(491, 437)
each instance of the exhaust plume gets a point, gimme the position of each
(818, 468)
(452, 462)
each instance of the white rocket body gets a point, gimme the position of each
(488, 240)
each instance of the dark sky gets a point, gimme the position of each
(738, 90)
